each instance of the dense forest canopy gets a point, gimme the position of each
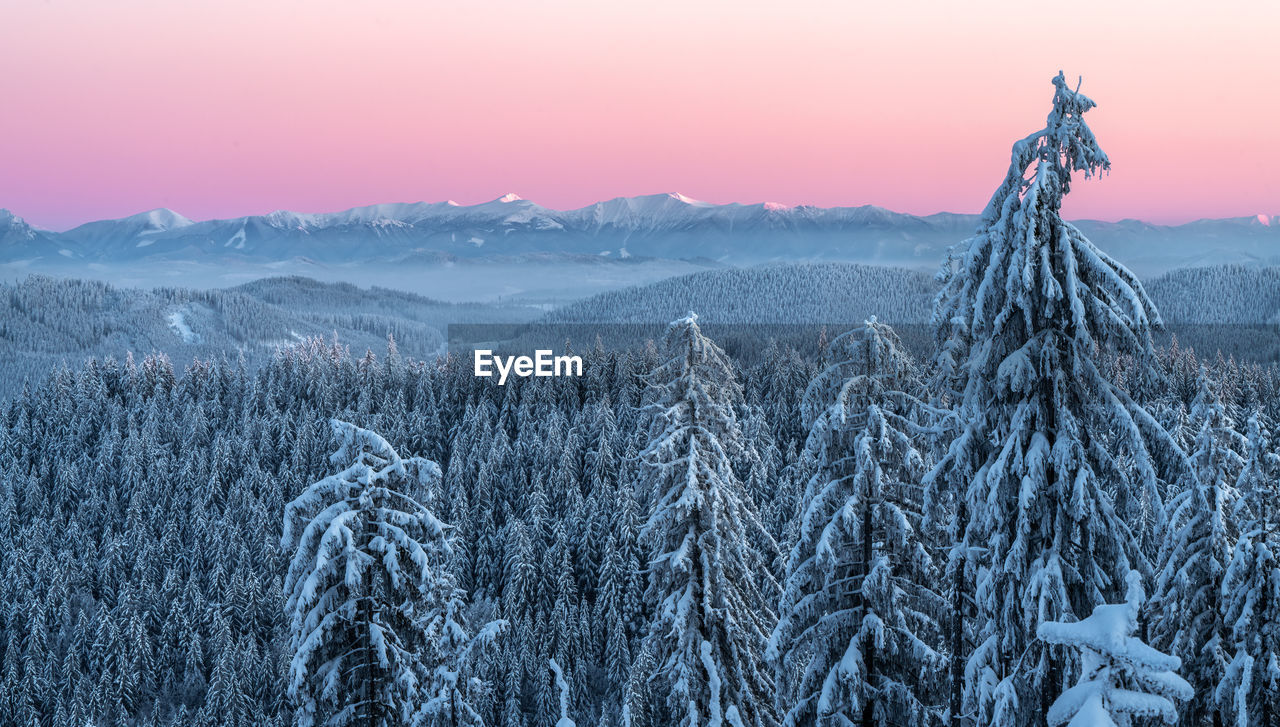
(142, 507)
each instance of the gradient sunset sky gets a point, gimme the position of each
(233, 107)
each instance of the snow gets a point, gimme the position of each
(1107, 630)
(507, 210)
(857, 411)
(477, 241)
(66, 253)
(178, 322)
(159, 220)
(237, 240)
(425, 643)
(378, 214)
(563, 687)
(702, 522)
(694, 202)
(1026, 304)
(712, 669)
(1092, 714)
(666, 225)
(1115, 665)
(286, 220)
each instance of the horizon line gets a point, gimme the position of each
(1264, 218)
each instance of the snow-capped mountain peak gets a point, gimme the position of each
(384, 214)
(510, 197)
(160, 220)
(13, 227)
(690, 200)
(286, 220)
(8, 218)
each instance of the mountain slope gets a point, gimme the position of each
(20, 241)
(1232, 309)
(1236, 295)
(771, 294)
(1222, 294)
(45, 322)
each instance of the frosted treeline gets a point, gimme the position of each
(141, 509)
(1225, 294)
(813, 293)
(1235, 295)
(46, 322)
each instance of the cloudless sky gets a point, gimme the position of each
(219, 108)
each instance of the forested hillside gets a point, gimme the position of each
(1231, 294)
(1230, 308)
(45, 322)
(847, 292)
(812, 293)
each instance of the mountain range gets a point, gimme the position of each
(666, 226)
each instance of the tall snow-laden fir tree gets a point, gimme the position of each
(1120, 676)
(711, 594)
(1026, 305)
(1188, 618)
(1250, 692)
(375, 617)
(859, 623)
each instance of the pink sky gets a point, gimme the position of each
(231, 107)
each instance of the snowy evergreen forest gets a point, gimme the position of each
(46, 322)
(1051, 518)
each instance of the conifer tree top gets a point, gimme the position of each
(1066, 144)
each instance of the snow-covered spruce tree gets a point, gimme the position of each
(859, 623)
(1250, 693)
(711, 595)
(1120, 676)
(1025, 304)
(1187, 609)
(375, 617)
(637, 698)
